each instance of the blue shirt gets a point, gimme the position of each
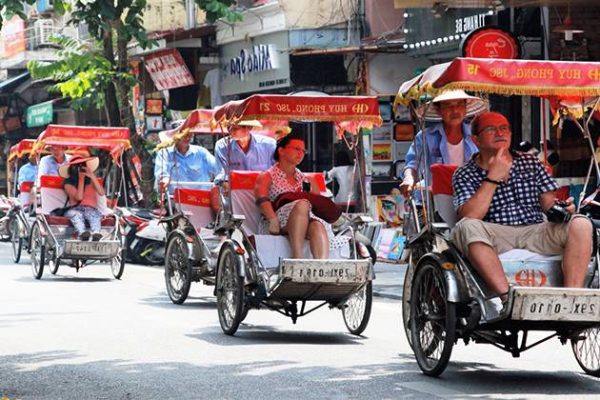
(437, 148)
(196, 165)
(27, 173)
(258, 158)
(515, 202)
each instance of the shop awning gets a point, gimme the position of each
(11, 84)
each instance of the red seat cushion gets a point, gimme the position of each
(55, 220)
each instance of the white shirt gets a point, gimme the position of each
(49, 166)
(212, 81)
(343, 176)
(456, 153)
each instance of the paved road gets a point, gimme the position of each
(87, 336)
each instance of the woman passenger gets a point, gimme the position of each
(83, 188)
(295, 218)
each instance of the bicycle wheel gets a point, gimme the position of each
(357, 310)
(230, 290)
(178, 269)
(38, 251)
(406, 293)
(433, 319)
(587, 351)
(15, 239)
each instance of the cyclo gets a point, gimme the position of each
(444, 299)
(52, 237)
(19, 224)
(192, 247)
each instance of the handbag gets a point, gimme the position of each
(61, 211)
(323, 207)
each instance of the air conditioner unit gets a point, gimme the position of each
(44, 28)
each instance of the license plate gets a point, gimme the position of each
(92, 249)
(329, 271)
(570, 305)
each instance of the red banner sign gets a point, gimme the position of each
(168, 70)
(13, 37)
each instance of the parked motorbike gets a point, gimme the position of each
(145, 237)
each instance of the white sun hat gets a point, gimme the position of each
(475, 105)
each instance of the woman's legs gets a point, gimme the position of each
(319, 242)
(76, 215)
(297, 227)
(94, 218)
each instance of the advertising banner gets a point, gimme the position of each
(12, 37)
(168, 70)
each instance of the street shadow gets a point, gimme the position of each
(63, 278)
(251, 335)
(162, 300)
(63, 374)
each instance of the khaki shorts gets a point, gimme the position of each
(545, 238)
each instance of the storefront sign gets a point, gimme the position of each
(154, 106)
(491, 42)
(259, 58)
(12, 37)
(261, 67)
(40, 114)
(168, 70)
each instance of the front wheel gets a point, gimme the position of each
(432, 319)
(38, 251)
(587, 351)
(15, 239)
(53, 264)
(230, 290)
(178, 269)
(117, 264)
(357, 309)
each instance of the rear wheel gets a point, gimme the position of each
(178, 269)
(38, 251)
(587, 351)
(406, 292)
(117, 264)
(15, 239)
(433, 319)
(230, 290)
(53, 264)
(357, 310)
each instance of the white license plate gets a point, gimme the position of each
(325, 271)
(77, 248)
(566, 307)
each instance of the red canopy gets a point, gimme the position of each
(20, 149)
(508, 77)
(114, 140)
(350, 113)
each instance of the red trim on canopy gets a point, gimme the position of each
(508, 77)
(355, 112)
(21, 149)
(114, 140)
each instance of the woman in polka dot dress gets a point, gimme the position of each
(296, 218)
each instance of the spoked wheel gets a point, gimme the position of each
(38, 251)
(15, 239)
(230, 290)
(117, 264)
(178, 269)
(53, 264)
(433, 320)
(406, 291)
(357, 309)
(587, 351)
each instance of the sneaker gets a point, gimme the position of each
(96, 237)
(85, 236)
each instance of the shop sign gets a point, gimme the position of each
(12, 37)
(263, 66)
(491, 42)
(154, 123)
(154, 106)
(259, 58)
(40, 114)
(168, 70)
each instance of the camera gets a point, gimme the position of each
(558, 213)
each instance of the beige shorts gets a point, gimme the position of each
(545, 238)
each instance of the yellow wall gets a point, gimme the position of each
(163, 15)
(316, 13)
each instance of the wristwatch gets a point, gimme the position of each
(486, 179)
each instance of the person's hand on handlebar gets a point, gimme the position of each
(408, 183)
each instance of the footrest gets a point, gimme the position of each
(556, 304)
(324, 280)
(104, 249)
